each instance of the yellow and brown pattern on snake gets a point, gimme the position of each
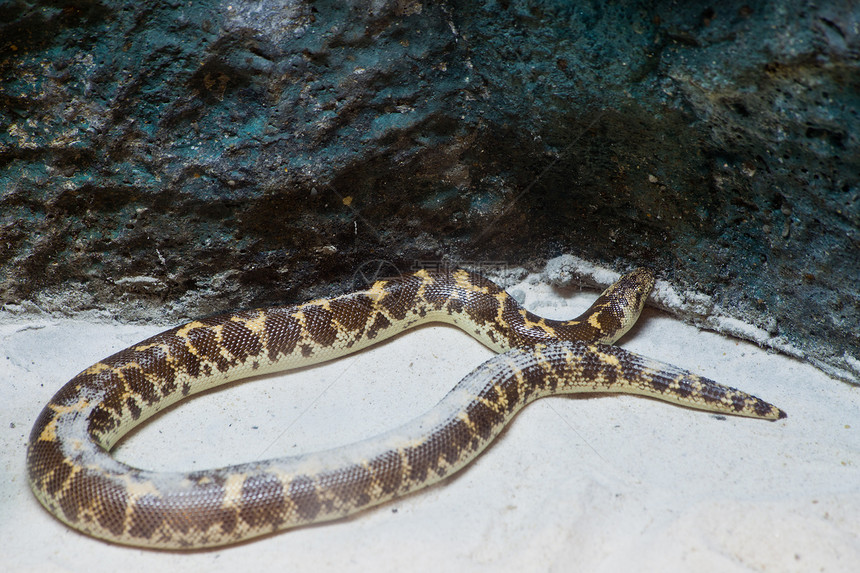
(73, 475)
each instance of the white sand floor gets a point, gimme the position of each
(612, 483)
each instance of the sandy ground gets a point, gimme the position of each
(613, 483)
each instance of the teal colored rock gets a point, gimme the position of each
(171, 159)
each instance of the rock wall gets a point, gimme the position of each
(160, 160)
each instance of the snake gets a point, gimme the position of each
(73, 475)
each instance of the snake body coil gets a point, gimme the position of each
(76, 479)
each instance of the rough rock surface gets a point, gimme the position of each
(160, 160)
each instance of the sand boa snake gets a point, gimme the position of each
(76, 479)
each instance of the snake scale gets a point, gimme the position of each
(74, 476)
